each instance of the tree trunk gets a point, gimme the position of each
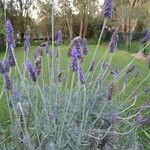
(85, 29)
(69, 28)
(81, 27)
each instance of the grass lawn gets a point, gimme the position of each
(121, 58)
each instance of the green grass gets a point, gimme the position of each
(121, 58)
(133, 48)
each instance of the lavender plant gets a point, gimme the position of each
(90, 114)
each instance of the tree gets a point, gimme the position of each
(66, 11)
(88, 9)
(127, 16)
(45, 17)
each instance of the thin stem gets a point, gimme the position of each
(52, 17)
(126, 67)
(58, 59)
(9, 108)
(99, 40)
(67, 107)
(98, 43)
(26, 129)
(83, 116)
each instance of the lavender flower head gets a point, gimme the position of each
(74, 63)
(78, 45)
(92, 65)
(59, 38)
(81, 76)
(10, 34)
(27, 43)
(110, 91)
(113, 118)
(146, 38)
(40, 51)
(37, 68)
(108, 9)
(31, 70)
(77, 42)
(138, 120)
(85, 46)
(113, 42)
(8, 84)
(74, 53)
(131, 68)
(6, 66)
(11, 59)
(10, 42)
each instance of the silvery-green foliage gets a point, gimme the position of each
(45, 117)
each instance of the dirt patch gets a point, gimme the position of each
(140, 57)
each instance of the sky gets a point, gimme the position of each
(34, 13)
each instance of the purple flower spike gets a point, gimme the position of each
(27, 43)
(131, 68)
(8, 84)
(146, 38)
(77, 42)
(29, 66)
(110, 91)
(74, 53)
(11, 59)
(37, 68)
(6, 66)
(113, 118)
(113, 42)
(92, 65)
(78, 45)
(138, 120)
(40, 51)
(74, 63)
(85, 46)
(2, 70)
(31, 70)
(10, 42)
(10, 34)
(59, 38)
(81, 76)
(108, 9)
